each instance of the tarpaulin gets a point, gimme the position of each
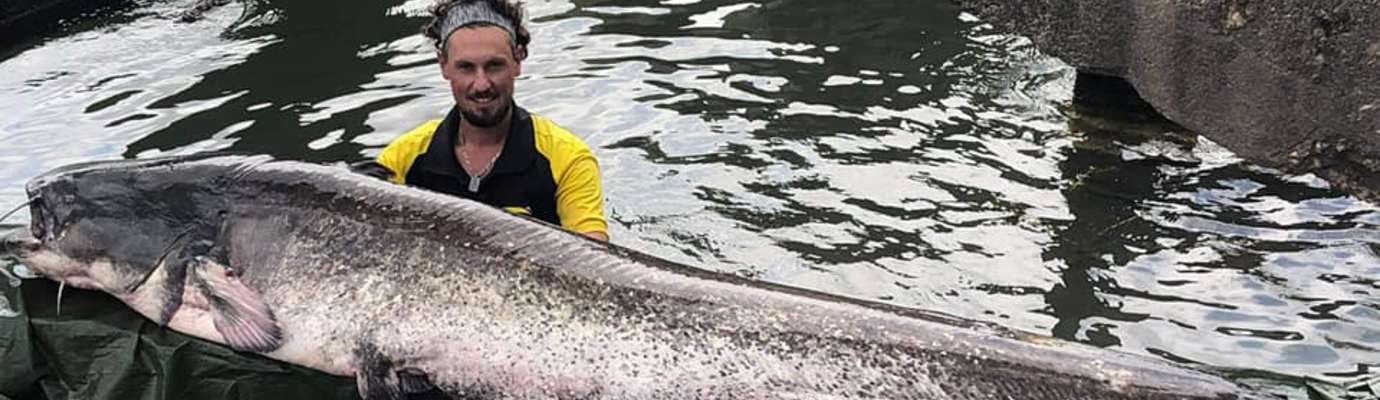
(98, 348)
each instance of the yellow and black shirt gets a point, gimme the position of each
(543, 171)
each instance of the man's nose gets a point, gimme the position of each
(482, 83)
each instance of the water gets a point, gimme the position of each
(902, 151)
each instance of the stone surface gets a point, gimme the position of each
(1288, 84)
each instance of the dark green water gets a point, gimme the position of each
(892, 150)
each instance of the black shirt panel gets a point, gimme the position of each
(521, 179)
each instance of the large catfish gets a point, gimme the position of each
(413, 291)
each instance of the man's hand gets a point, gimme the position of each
(596, 235)
(372, 168)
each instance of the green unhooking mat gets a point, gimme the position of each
(100, 349)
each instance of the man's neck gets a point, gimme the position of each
(485, 137)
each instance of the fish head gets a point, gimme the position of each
(106, 225)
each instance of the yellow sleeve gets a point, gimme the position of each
(400, 154)
(579, 192)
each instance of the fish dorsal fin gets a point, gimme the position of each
(239, 313)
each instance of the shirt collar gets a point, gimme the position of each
(518, 147)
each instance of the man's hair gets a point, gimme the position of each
(512, 11)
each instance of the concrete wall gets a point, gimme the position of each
(1289, 84)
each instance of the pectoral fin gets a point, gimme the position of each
(163, 285)
(374, 375)
(238, 312)
(413, 381)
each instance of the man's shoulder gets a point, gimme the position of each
(414, 141)
(399, 155)
(420, 133)
(554, 139)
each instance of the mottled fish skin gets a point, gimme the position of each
(409, 290)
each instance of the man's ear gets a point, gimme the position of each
(441, 62)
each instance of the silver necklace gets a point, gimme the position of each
(478, 177)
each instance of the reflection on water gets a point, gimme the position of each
(901, 152)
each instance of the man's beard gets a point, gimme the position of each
(475, 118)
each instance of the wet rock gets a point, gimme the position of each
(197, 11)
(1289, 84)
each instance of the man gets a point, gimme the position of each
(487, 148)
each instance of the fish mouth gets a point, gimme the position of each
(20, 243)
(37, 261)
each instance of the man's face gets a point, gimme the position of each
(480, 66)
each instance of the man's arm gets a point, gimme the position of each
(580, 197)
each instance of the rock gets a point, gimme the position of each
(1288, 84)
(198, 10)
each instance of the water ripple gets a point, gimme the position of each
(924, 161)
